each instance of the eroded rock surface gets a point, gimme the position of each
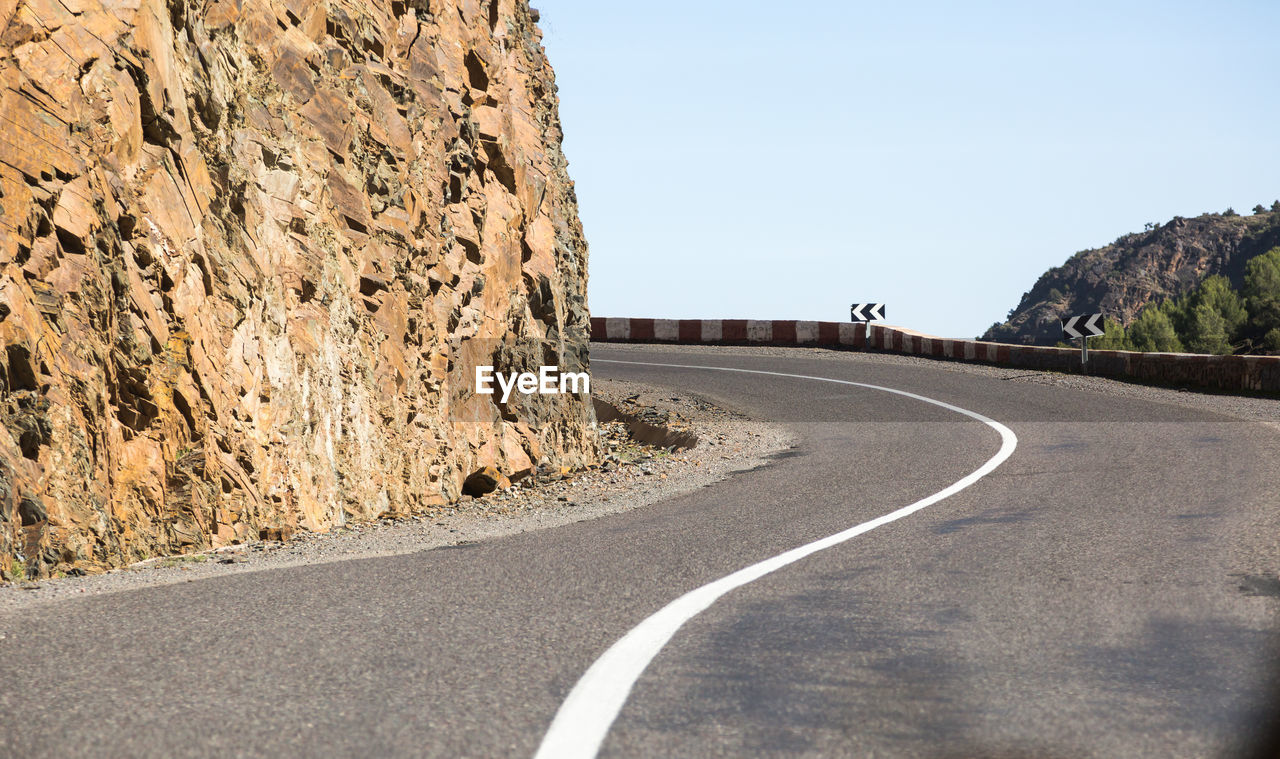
(244, 243)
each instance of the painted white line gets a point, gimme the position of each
(584, 719)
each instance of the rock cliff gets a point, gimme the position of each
(1120, 278)
(251, 250)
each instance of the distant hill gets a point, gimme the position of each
(1119, 279)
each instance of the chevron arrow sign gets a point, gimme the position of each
(866, 312)
(1085, 325)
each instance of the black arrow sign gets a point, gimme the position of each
(1085, 325)
(866, 312)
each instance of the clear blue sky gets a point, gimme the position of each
(759, 160)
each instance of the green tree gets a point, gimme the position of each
(1208, 331)
(1262, 291)
(1216, 293)
(1115, 338)
(1272, 341)
(1153, 331)
(1275, 207)
(1259, 209)
(1177, 311)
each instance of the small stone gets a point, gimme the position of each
(275, 534)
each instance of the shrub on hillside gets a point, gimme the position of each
(1262, 291)
(1153, 331)
(1272, 341)
(1114, 339)
(1214, 293)
(1208, 331)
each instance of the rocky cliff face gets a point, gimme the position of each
(244, 243)
(1119, 279)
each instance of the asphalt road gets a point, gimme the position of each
(1104, 592)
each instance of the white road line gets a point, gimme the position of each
(583, 721)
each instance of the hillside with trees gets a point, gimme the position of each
(1212, 318)
(1209, 284)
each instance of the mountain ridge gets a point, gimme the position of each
(1120, 278)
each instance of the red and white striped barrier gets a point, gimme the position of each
(1230, 373)
(790, 332)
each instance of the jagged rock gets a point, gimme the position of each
(485, 480)
(275, 534)
(250, 251)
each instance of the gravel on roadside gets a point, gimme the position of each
(633, 475)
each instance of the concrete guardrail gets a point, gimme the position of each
(1229, 373)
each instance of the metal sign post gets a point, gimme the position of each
(1083, 327)
(866, 313)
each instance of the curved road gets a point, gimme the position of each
(1083, 598)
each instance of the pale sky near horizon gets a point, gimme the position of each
(764, 160)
